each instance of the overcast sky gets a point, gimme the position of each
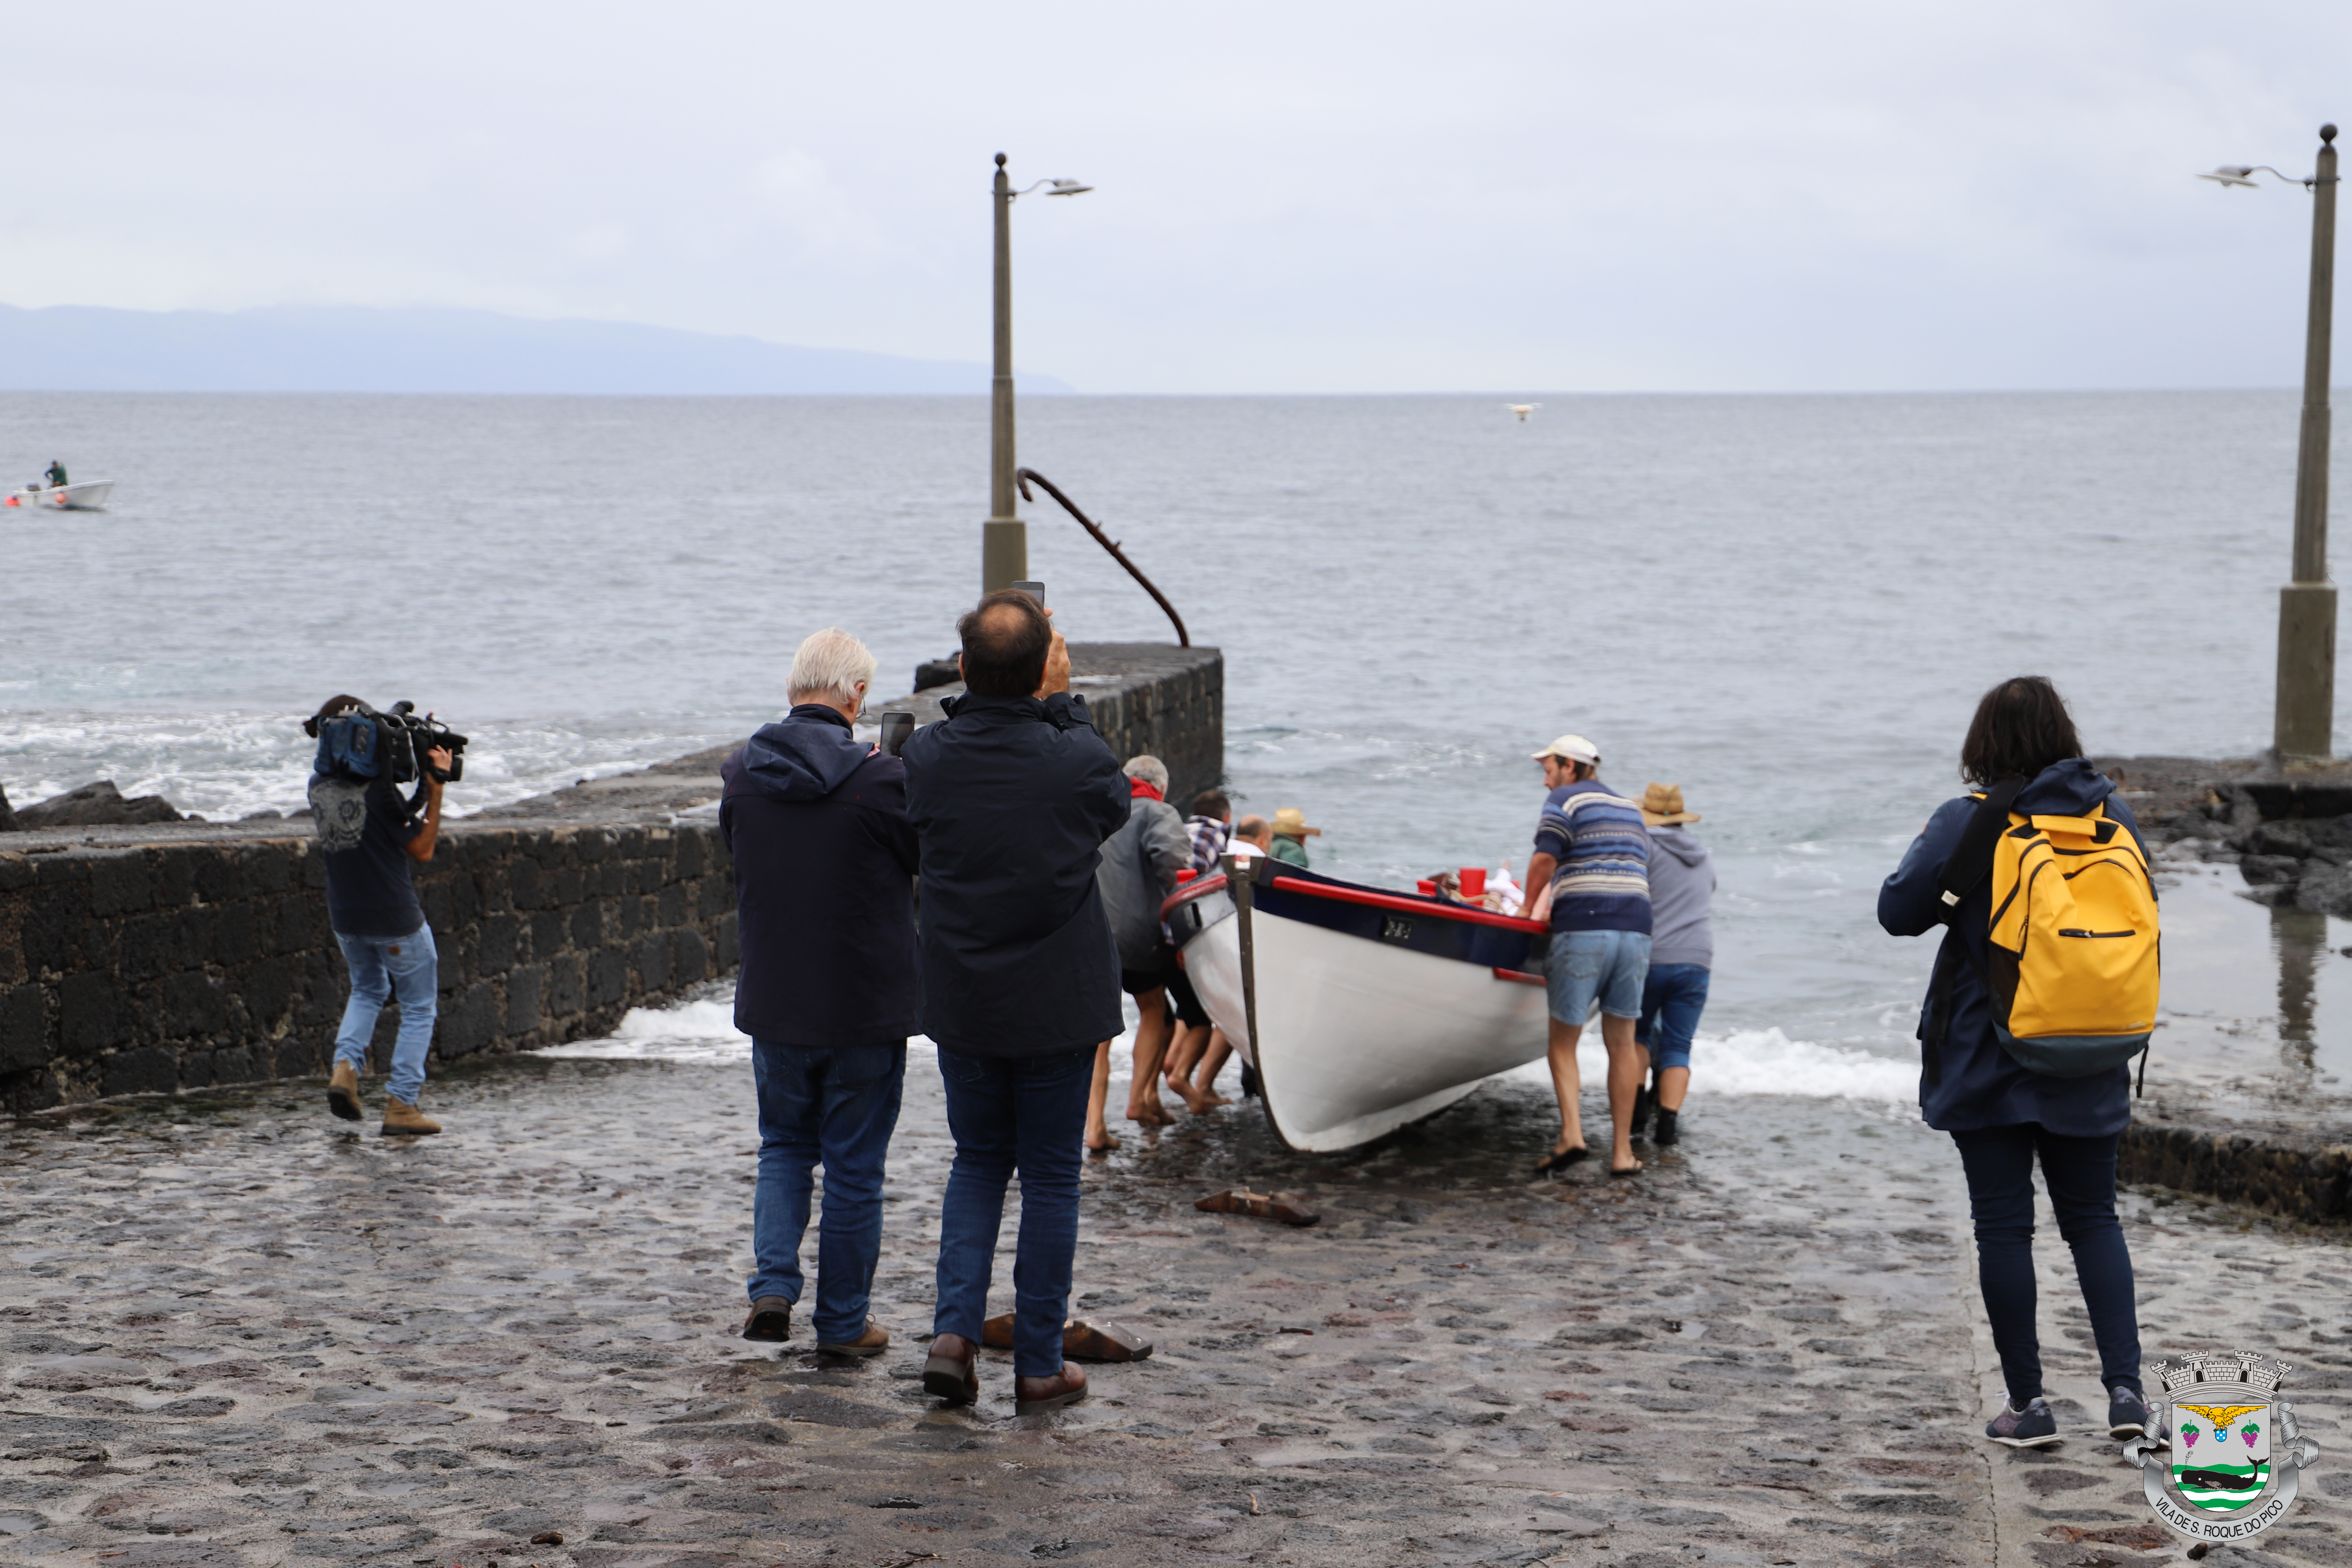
(1304, 197)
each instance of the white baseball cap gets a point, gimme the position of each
(1575, 749)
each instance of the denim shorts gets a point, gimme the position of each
(1672, 998)
(1602, 966)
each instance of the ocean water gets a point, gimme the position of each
(1786, 604)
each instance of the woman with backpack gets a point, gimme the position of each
(2044, 981)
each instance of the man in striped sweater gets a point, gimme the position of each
(1592, 850)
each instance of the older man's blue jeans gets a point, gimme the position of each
(1026, 1114)
(383, 967)
(836, 1108)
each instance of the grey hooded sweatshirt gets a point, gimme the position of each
(1138, 872)
(1682, 891)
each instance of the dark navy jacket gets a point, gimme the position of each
(1010, 799)
(1977, 1084)
(824, 867)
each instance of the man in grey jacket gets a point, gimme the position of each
(1682, 956)
(1138, 872)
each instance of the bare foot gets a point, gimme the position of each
(1150, 1114)
(1192, 1097)
(1211, 1097)
(1099, 1140)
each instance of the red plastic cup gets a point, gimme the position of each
(1474, 881)
(1426, 889)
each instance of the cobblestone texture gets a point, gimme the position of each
(237, 1333)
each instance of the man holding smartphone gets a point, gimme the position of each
(1011, 797)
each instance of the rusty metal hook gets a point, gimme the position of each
(1022, 478)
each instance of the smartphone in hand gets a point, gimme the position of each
(1035, 590)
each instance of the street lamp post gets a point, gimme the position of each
(2304, 727)
(1005, 538)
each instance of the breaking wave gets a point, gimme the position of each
(1744, 1061)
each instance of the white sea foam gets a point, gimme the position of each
(1745, 1061)
(225, 765)
(1763, 1061)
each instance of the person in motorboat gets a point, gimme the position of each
(2005, 1116)
(55, 478)
(1682, 955)
(1291, 834)
(1594, 851)
(1253, 834)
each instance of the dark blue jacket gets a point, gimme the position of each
(1972, 1082)
(1010, 799)
(824, 867)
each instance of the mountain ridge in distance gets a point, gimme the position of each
(358, 348)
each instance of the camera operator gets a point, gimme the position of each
(368, 834)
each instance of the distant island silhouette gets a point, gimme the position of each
(353, 348)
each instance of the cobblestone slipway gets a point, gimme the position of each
(236, 1332)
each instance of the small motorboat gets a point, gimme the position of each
(87, 496)
(1361, 1009)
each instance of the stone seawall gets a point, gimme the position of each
(165, 956)
(131, 968)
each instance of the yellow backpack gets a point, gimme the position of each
(2073, 940)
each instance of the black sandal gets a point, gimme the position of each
(1628, 1171)
(1560, 1159)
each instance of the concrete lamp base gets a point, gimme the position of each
(2306, 672)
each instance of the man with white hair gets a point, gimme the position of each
(825, 867)
(1138, 872)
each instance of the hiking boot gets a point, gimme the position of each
(1670, 1128)
(771, 1321)
(343, 1091)
(2032, 1427)
(873, 1341)
(2126, 1412)
(952, 1372)
(1035, 1396)
(404, 1120)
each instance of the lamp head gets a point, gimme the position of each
(1066, 188)
(2231, 174)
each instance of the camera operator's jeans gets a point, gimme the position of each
(836, 1107)
(382, 967)
(1029, 1114)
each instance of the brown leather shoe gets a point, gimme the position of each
(1033, 1395)
(873, 1341)
(402, 1118)
(343, 1091)
(771, 1321)
(952, 1372)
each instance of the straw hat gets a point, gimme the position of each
(1291, 823)
(1662, 805)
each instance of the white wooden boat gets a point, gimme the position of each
(90, 495)
(1362, 1010)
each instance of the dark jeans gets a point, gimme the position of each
(1026, 1114)
(2081, 1175)
(835, 1106)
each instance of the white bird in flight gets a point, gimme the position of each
(1523, 409)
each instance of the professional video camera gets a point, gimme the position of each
(425, 733)
(360, 743)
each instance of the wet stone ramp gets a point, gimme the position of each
(236, 1332)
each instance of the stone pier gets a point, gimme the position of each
(157, 957)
